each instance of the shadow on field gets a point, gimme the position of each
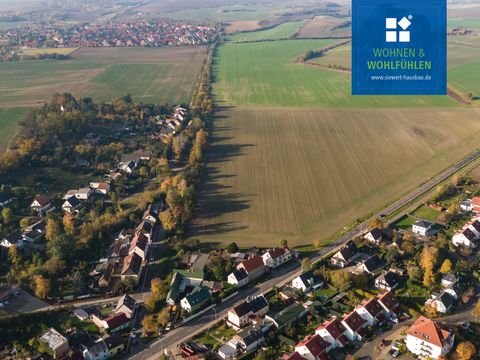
(216, 197)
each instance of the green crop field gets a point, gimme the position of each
(281, 31)
(149, 75)
(341, 55)
(9, 119)
(263, 74)
(40, 51)
(466, 23)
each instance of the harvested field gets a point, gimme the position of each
(42, 51)
(325, 26)
(303, 173)
(238, 26)
(282, 31)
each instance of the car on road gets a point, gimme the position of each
(394, 353)
(17, 293)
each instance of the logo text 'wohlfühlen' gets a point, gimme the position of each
(399, 47)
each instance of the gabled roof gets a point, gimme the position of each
(277, 252)
(423, 224)
(242, 309)
(72, 201)
(334, 328)
(469, 234)
(390, 278)
(446, 299)
(198, 296)
(429, 331)
(449, 277)
(139, 241)
(253, 263)
(258, 303)
(4, 196)
(113, 341)
(239, 274)
(389, 301)
(293, 356)
(116, 320)
(131, 264)
(354, 321)
(476, 225)
(373, 307)
(315, 344)
(250, 335)
(43, 200)
(126, 300)
(376, 233)
(348, 251)
(476, 201)
(373, 263)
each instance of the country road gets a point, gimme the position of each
(286, 274)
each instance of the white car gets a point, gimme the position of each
(2, 305)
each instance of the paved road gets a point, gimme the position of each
(282, 276)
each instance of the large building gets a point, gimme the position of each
(428, 338)
(57, 343)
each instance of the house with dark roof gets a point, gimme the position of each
(127, 305)
(238, 277)
(71, 204)
(313, 347)
(248, 339)
(374, 236)
(370, 266)
(346, 255)
(387, 281)
(114, 322)
(277, 256)
(333, 332)
(429, 338)
(465, 238)
(390, 305)
(441, 302)
(289, 315)
(96, 351)
(307, 281)
(240, 315)
(139, 245)
(106, 277)
(354, 326)
(14, 239)
(293, 356)
(196, 299)
(421, 227)
(115, 344)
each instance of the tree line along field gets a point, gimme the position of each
(161, 75)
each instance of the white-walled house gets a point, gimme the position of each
(421, 227)
(276, 257)
(239, 316)
(354, 326)
(428, 338)
(306, 282)
(371, 311)
(314, 347)
(332, 331)
(374, 236)
(42, 205)
(238, 277)
(465, 238)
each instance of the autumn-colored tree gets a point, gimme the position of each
(476, 309)
(6, 215)
(52, 229)
(69, 224)
(159, 288)
(427, 262)
(455, 180)
(375, 223)
(429, 278)
(306, 264)
(341, 280)
(318, 244)
(14, 256)
(168, 220)
(41, 286)
(24, 223)
(150, 325)
(465, 350)
(446, 267)
(283, 243)
(164, 316)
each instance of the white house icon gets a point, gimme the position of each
(391, 33)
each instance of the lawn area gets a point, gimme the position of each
(302, 174)
(281, 31)
(216, 336)
(404, 223)
(9, 119)
(264, 74)
(325, 294)
(427, 213)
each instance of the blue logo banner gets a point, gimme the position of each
(399, 47)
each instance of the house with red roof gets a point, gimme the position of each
(354, 326)
(429, 339)
(276, 257)
(253, 267)
(333, 332)
(372, 312)
(475, 203)
(293, 356)
(313, 348)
